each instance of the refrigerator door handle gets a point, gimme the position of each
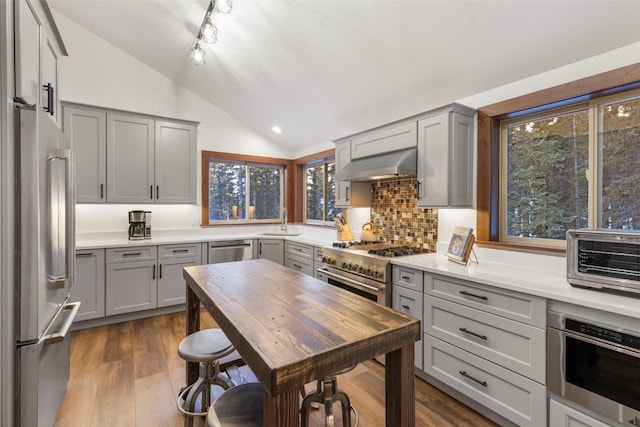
(57, 227)
(67, 315)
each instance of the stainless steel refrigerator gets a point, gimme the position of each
(45, 253)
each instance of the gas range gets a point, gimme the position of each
(368, 260)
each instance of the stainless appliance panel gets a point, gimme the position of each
(45, 261)
(47, 223)
(44, 371)
(590, 365)
(230, 250)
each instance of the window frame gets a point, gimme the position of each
(324, 162)
(208, 156)
(488, 160)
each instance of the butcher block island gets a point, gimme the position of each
(292, 329)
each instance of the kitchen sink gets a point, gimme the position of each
(280, 233)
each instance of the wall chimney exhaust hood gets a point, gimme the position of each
(379, 166)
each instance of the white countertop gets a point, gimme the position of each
(551, 285)
(310, 236)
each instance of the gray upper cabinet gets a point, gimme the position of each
(129, 158)
(38, 47)
(87, 130)
(343, 158)
(384, 140)
(130, 151)
(175, 162)
(445, 159)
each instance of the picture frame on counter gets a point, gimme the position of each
(461, 245)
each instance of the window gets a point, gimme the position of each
(238, 191)
(319, 192)
(547, 185)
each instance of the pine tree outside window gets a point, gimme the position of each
(319, 192)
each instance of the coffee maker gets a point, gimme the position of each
(139, 225)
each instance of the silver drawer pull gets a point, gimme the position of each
(406, 278)
(406, 307)
(133, 254)
(482, 337)
(464, 374)
(297, 266)
(86, 254)
(176, 251)
(468, 294)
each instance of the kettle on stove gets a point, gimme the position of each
(369, 232)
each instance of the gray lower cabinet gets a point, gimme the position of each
(488, 344)
(131, 275)
(563, 415)
(171, 260)
(299, 257)
(271, 249)
(89, 284)
(409, 302)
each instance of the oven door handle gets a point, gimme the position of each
(619, 348)
(355, 283)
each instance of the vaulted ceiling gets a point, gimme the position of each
(324, 69)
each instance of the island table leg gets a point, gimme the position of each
(399, 388)
(192, 325)
(282, 410)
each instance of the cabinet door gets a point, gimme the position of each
(131, 286)
(27, 52)
(175, 163)
(130, 151)
(171, 284)
(87, 130)
(445, 161)
(50, 97)
(89, 284)
(385, 140)
(271, 249)
(433, 161)
(409, 302)
(343, 158)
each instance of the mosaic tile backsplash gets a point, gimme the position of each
(395, 213)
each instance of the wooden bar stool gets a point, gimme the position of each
(205, 347)
(327, 394)
(240, 406)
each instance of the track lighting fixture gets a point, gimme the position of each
(208, 32)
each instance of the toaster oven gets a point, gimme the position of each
(605, 259)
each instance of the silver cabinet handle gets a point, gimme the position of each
(469, 294)
(151, 192)
(406, 307)
(84, 255)
(466, 331)
(153, 275)
(101, 191)
(132, 254)
(346, 193)
(418, 190)
(464, 374)
(406, 278)
(160, 273)
(178, 251)
(297, 266)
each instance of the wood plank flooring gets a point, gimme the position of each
(128, 374)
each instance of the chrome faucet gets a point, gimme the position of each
(283, 223)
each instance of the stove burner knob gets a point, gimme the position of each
(369, 272)
(361, 269)
(344, 265)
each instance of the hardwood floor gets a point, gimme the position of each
(128, 374)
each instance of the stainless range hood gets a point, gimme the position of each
(387, 165)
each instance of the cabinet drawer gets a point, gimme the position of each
(190, 250)
(407, 277)
(563, 415)
(409, 302)
(512, 305)
(514, 345)
(303, 265)
(136, 253)
(299, 249)
(513, 396)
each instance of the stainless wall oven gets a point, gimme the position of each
(595, 365)
(375, 291)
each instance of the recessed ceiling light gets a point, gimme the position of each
(277, 129)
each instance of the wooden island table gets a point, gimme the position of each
(292, 329)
